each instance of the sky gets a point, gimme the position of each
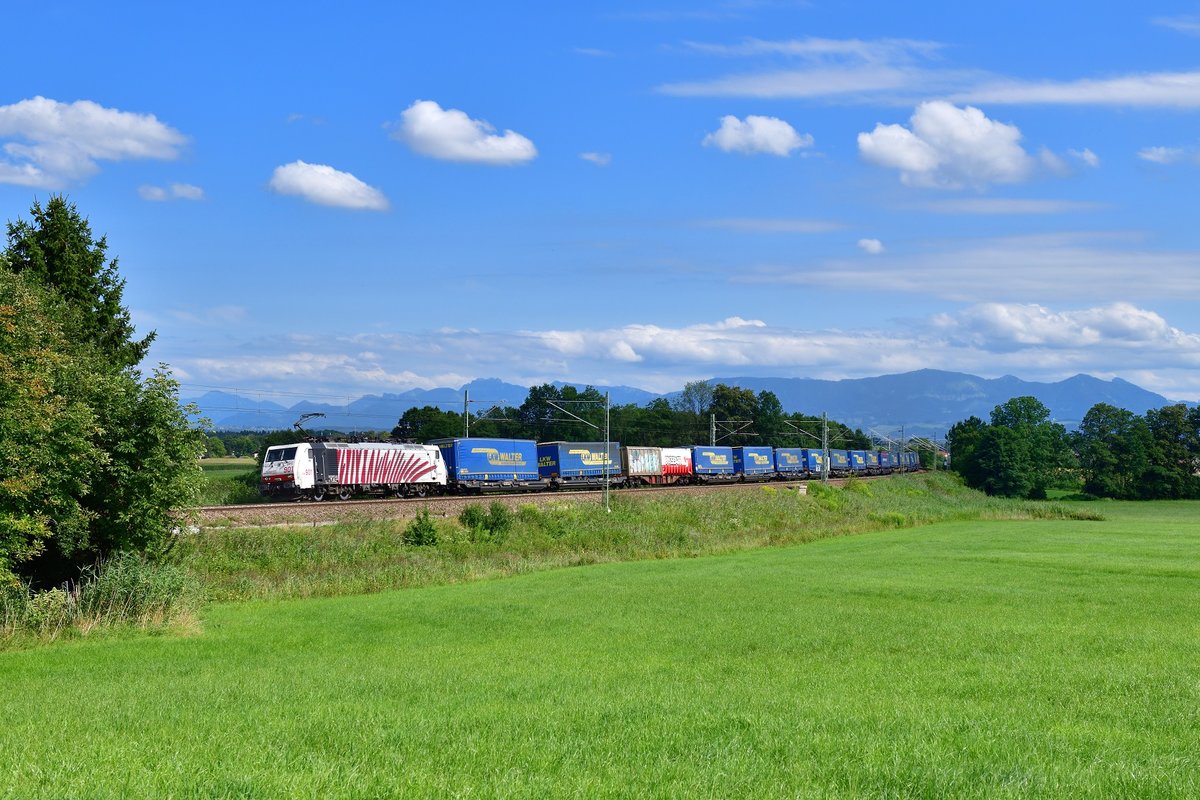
(340, 201)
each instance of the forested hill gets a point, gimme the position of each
(925, 401)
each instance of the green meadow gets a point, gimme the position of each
(228, 481)
(967, 658)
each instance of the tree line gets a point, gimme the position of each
(565, 413)
(1114, 453)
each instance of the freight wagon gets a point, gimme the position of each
(656, 466)
(712, 464)
(839, 463)
(477, 465)
(318, 470)
(789, 462)
(579, 463)
(754, 463)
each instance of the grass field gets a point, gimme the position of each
(225, 481)
(976, 659)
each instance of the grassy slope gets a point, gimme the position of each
(363, 557)
(985, 659)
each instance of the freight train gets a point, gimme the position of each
(319, 470)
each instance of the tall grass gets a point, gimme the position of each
(126, 591)
(369, 556)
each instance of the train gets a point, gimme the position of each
(322, 470)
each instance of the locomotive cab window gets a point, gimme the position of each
(282, 454)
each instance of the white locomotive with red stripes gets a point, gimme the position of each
(317, 470)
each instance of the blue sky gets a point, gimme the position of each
(327, 201)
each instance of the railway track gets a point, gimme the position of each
(330, 512)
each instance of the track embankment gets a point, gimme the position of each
(331, 512)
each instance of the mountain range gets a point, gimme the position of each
(924, 402)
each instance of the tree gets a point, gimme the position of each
(56, 249)
(1113, 446)
(427, 423)
(1004, 462)
(142, 461)
(964, 440)
(768, 417)
(1174, 453)
(1043, 442)
(47, 429)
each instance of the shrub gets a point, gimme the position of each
(127, 590)
(491, 526)
(422, 531)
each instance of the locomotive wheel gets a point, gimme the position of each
(418, 490)
(344, 493)
(318, 494)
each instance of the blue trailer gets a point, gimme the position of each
(872, 457)
(712, 463)
(814, 461)
(754, 463)
(790, 462)
(579, 463)
(839, 462)
(887, 461)
(858, 461)
(490, 464)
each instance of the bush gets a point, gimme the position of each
(491, 526)
(422, 531)
(127, 590)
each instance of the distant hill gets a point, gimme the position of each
(929, 401)
(925, 402)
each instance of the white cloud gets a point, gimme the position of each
(776, 225)
(324, 185)
(757, 134)
(1034, 341)
(594, 52)
(1159, 89)
(948, 147)
(902, 71)
(872, 246)
(1053, 162)
(1187, 25)
(1164, 155)
(450, 135)
(1009, 205)
(52, 143)
(176, 191)
(817, 48)
(1001, 327)
(883, 70)
(599, 159)
(1010, 269)
(1086, 156)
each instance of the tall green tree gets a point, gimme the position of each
(964, 439)
(55, 248)
(1043, 442)
(1174, 453)
(1004, 462)
(143, 463)
(47, 429)
(427, 423)
(1113, 445)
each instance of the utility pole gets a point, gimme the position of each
(712, 430)
(824, 447)
(607, 453)
(466, 414)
